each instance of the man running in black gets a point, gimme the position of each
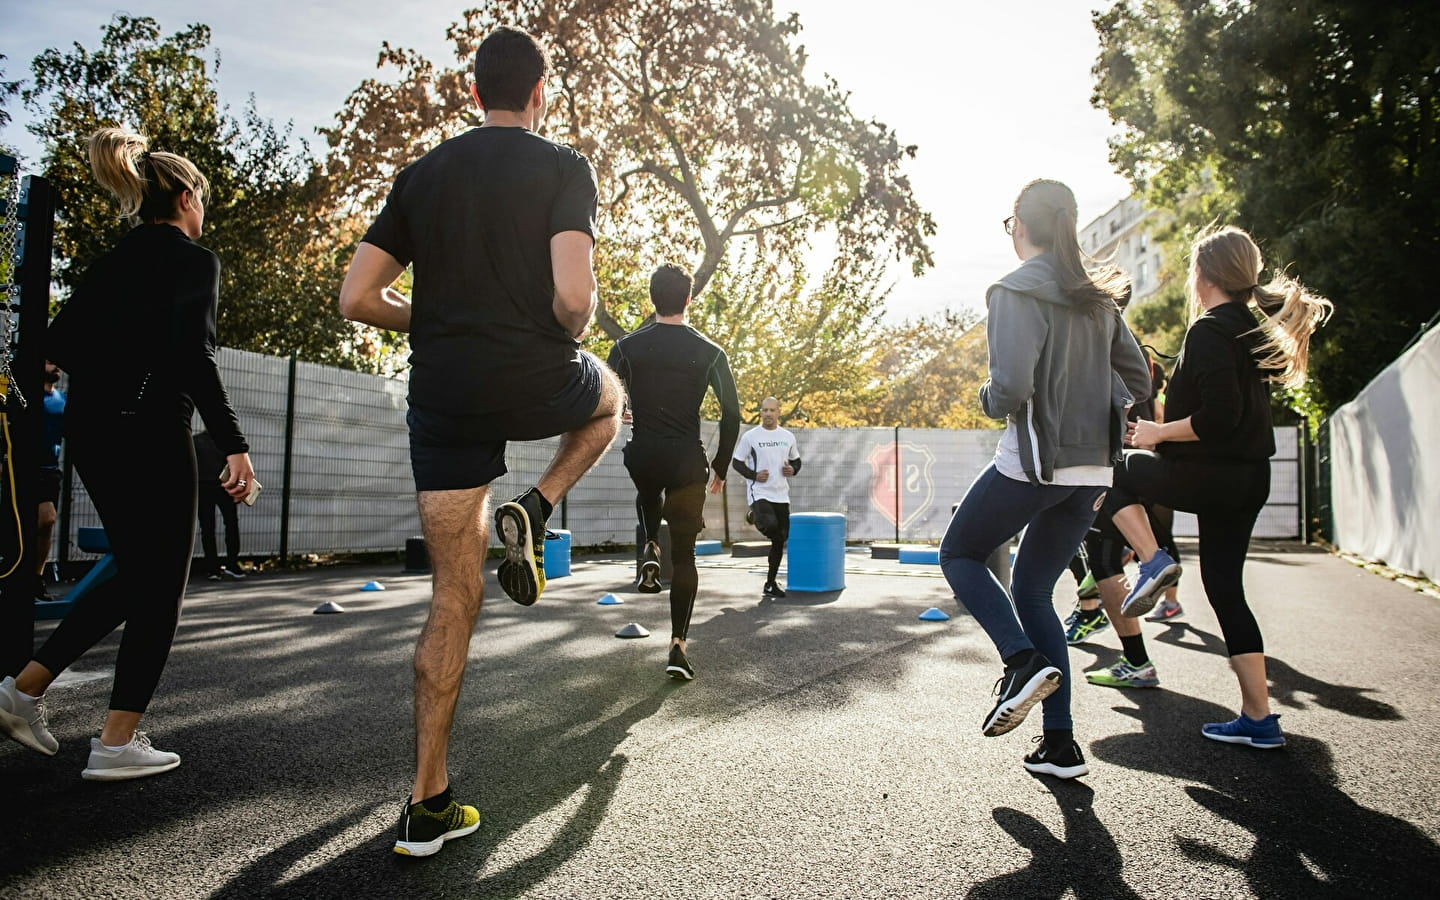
(498, 224)
(666, 367)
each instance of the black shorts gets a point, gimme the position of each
(453, 453)
(49, 482)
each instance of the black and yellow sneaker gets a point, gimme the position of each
(423, 833)
(521, 526)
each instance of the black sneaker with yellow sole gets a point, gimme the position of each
(521, 527)
(423, 833)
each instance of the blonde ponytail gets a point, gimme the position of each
(144, 183)
(1229, 259)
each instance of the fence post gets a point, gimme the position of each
(1305, 481)
(897, 484)
(1323, 503)
(289, 447)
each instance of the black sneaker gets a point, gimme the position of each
(213, 576)
(679, 667)
(1062, 762)
(41, 595)
(423, 833)
(773, 590)
(650, 570)
(230, 574)
(522, 529)
(1020, 688)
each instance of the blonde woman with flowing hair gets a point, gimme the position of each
(138, 339)
(1212, 455)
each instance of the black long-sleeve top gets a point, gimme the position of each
(666, 370)
(138, 335)
(1218, 384)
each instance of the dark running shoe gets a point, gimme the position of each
(1262, 734)
(423, 833)
(1020, 688)
(679, 667)
(773, 590)
(230, 574)
(522, 529)
(650, 570)
(1062, 762)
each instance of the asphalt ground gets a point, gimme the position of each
(830, 747)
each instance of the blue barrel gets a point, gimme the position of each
(817, 552)
(557, 553)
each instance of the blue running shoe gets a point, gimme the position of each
(1079, 628)
(1155, 576)
(1264, 734)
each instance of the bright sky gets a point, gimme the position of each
(994, 94)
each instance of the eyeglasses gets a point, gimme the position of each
(1009, 224)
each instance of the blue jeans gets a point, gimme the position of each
(1055, 520)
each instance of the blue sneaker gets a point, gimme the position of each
(1155, 576)
(1264, 734)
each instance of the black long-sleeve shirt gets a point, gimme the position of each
(1218, 384)
(138, 335)
(666, 370)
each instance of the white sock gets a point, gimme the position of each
(114, 749)
(25, 696)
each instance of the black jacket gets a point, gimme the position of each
(1218, 384)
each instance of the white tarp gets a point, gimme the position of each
(1384, 466)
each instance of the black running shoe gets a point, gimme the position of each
(679, 667)
(522, 529)
(1020, 688)
(773, 590)
(1062, 762)
(423, 833)
(650, 570)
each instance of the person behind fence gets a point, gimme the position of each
(667, 367)
(212, 496)
(498, 224)
(137, 338)
(50, 475)
(1063, 368)
(1212, 455)
(767, 458)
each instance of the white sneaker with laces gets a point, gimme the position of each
(135, 760)
(24, 719)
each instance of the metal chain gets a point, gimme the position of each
(9, 239)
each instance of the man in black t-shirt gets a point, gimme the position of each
(667, 367)
(498, 224)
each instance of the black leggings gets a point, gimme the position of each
(1226, 498)
(670, 479)
(213, 497)
(141, 477)
(773, 521)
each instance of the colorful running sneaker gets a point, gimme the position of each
(423, 833)
(1155, 576)
(521, 527)
(1087, 589)
(1167, 610)
(1122, 674)
(1079, 627)
(1262, 734)
(1062, 762)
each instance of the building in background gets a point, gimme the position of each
(1124, 236)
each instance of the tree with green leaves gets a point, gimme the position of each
(708, 137)
(1317, 127)
(267, 216)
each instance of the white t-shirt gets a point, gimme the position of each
(1007, 463)
(767, 449)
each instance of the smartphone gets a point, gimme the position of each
(248, 499)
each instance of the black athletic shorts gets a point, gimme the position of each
(49, 482)
(453, 453)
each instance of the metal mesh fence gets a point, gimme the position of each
(351, 488)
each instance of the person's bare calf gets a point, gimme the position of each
(582, 448)
(456, 529)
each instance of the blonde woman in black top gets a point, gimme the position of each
(1212, 455)
(138, 339)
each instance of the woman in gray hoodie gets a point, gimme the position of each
(1063, 370)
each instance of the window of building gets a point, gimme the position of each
(1144, 242)
(1143, 274)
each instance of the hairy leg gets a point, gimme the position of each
(582, 448)
(456, 528)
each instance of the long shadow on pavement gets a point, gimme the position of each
(1356, 851)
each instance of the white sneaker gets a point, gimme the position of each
(135, 760)
(24, 719)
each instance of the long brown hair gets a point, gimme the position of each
(145, 183)
(1229, 259)
(1048, 210)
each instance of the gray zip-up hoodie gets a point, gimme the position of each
(1062, 377)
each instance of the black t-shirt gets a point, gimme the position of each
(1219, 386)
(475, 217)
(666, 370)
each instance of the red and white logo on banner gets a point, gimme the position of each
(901, 488)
